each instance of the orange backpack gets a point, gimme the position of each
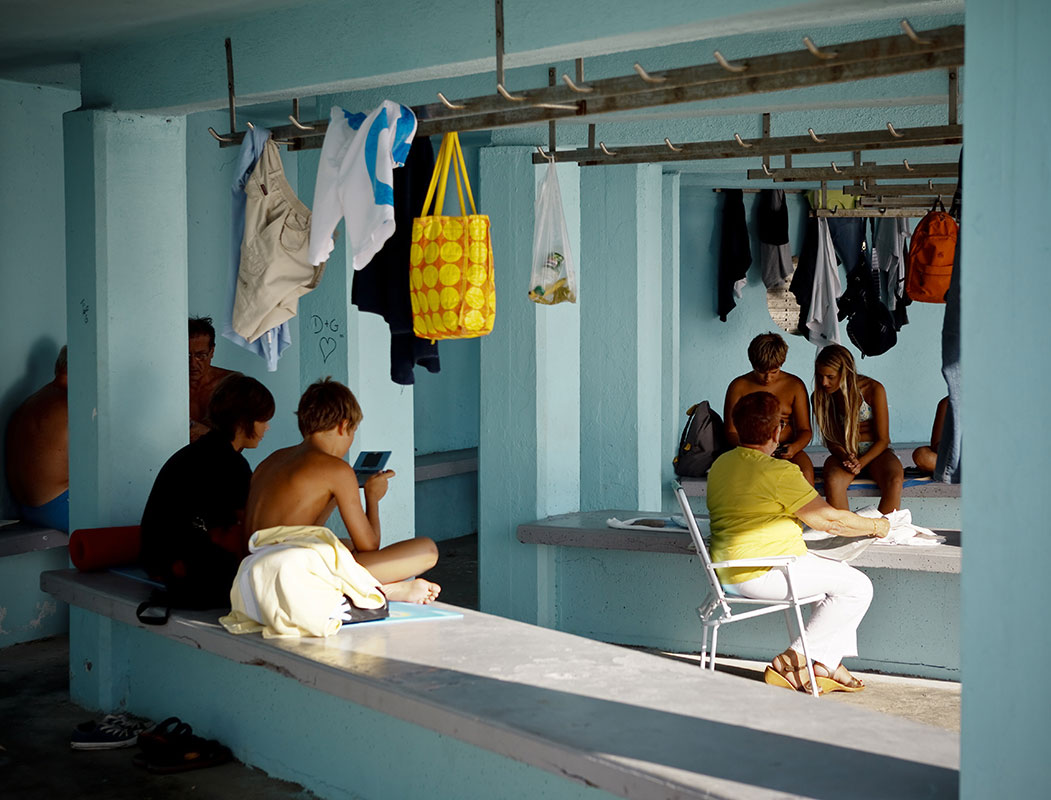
(932, 250)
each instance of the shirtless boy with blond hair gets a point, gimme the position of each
(303, 484)
(767, 353)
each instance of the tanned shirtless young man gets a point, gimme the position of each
(38, 453)
(767, 354)
(204, 378)
(303, 484)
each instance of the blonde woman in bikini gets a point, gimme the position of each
(852, 416)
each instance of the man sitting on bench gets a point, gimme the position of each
(303, 484)
(767, 353)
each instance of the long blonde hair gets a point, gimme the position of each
(840, 428)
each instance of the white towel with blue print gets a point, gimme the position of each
(355, 179)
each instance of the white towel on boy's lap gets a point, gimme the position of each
(294, 578)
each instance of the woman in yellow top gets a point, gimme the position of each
(756, 504)
(854, 421)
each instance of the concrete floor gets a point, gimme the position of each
(36, 718)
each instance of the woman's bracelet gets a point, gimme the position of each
(874, 531)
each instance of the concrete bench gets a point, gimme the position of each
(485, 707)
(446, 509)
(446, 463)
(914, 486)
(912, 627)
(26, 613)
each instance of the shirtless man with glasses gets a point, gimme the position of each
(204, 378)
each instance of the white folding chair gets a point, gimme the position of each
(717, 609)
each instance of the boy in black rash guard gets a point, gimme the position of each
(193, 535)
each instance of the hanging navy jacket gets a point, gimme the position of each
(735, 251)
(382, 286)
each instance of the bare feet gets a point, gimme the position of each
(413, 591)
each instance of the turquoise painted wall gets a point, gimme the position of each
(33, 256)
(1005, 285)
(608, 604)
(27, 613)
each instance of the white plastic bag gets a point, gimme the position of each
(553, 279)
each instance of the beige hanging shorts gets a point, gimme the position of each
(275, 270)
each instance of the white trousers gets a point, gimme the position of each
(832, 632)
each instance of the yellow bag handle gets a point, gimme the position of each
(449, 151)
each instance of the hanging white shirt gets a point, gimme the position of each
(822, 321)
(355, 179)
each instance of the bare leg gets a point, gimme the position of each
(393, 564)
(888, 474)
(400, 560)
(925, 458)
(806, 466)
(836, 480)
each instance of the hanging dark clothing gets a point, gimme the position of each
(382, 286)
(950, 448)
(848, 239)
(735, 251)
(803, 280)
(775, 256)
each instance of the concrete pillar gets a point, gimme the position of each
(529, 434)
(354, 348)
(672, 417)
(621, 337)
(1005, 284)
(126, 308)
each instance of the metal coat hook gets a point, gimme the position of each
(544, 155)
(835, 169)
(568, 81)
(294, 117)
(672, 147)
(602, 147)
(507, 95)
(737, 138)
(913, 37)
(721, 59)
(894, 133)
(905, 161)
(251, 127)
(646, 76)
(217, 137)
(767, 171)
(448, 104)
(817, 52)
(815, 137)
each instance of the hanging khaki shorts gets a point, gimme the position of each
(275, 270)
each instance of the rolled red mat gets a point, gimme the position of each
(102, 548)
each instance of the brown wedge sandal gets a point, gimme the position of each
(784, 673)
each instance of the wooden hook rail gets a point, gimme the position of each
(871, 58)
(881, 139)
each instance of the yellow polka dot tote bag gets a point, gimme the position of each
(451, 260)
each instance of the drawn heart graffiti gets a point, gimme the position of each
(327, 345)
